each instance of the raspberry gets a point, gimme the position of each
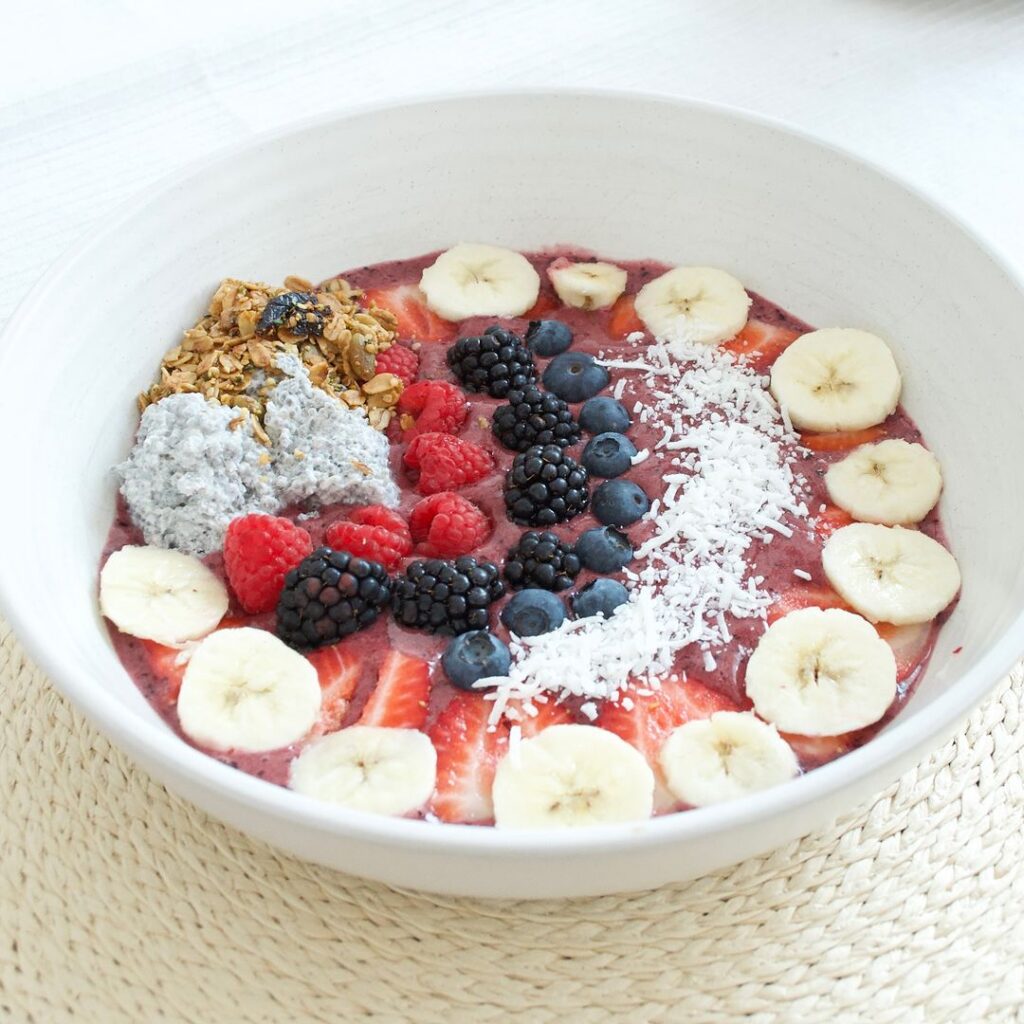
(448, 525)
(437, 406)
(370, 542)
(399, 360)
(258, 551)
(442, 462)
(381, 515)
(372, 532)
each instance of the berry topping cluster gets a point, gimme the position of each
(423, 564)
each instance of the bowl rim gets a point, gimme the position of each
(152, 742)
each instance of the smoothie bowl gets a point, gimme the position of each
(579, 521)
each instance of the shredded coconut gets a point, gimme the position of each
(735, 483)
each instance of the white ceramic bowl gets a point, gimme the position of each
(828, 237)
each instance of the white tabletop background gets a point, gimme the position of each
(100, 97)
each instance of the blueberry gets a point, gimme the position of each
(601, 597)
(548, 337)
(603, 414)
(608, 454)
(604, 549)
(619, 503)
(475, 655)
(575, 376)
(532, 612)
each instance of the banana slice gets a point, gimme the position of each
(693, 304)
(161, 595)
(587, 285)
(821, 672)
(836, 379)
(479, 280)
(570, 776)
(891, 482)
(368, 768)
(890, 574)
(726, 756)
(245, 690)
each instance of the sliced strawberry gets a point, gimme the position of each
(805, 596)
(623, 318)
(841, 440)
(399, 700)
(546, 714)
(467, 756)
(539, 310)
(817, 750)
(832, 519)
(652, 717)
(338, 670)
(168, 664)
(910, 644)
(415, 321)
(760, 344)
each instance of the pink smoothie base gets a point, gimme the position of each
(775, 561)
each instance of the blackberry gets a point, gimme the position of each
(540, 559)
(496, 362)
(328, 596)
(444, 596)
(545, 486)
(297, 312)
(533, 417)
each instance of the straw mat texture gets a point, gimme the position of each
(119, 903)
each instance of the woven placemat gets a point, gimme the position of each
(120, 903)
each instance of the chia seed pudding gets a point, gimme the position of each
(537, 540)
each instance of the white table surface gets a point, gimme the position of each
(99, 98)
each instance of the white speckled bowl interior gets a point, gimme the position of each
(833, 240)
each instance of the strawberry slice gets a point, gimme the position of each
(832, 519)
(910, 644)
(623, 318)
(647, 724)
(808, 596)
(167, 664)
(812, 751)
(415, 321)
(399, 700)
(539, 310)
(841, 440)
(761, 344)
(467, 756)
(338, 670)
(547, 714)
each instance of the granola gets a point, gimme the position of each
(230, 354)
